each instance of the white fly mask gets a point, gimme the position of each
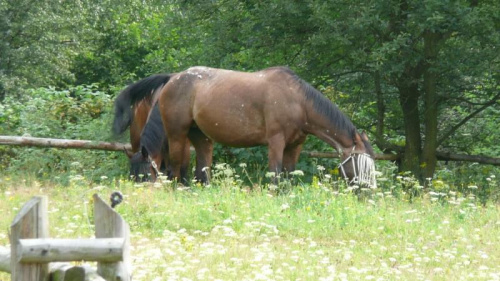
(363, 167)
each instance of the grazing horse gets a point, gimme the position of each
(152, 159)
(272, 107)
(132, 108)
(136, 106)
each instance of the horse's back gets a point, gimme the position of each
(236, 108)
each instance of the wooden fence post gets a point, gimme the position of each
(109, 224)
(32, 221)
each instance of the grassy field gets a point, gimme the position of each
(311, 231)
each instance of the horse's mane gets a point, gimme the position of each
(153, 135)
(323, 105)
(369, 148)
(135, 92)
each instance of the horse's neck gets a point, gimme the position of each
(153, 135)
(152, 144)
(325, 130)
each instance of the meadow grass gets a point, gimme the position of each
(314, 231)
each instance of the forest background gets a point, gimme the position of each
(418, 76)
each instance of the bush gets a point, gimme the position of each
(80, 112)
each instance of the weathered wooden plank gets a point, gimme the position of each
(108, 224)
(91, 274)
(59, 272)
(4, 259)
(31, 222)
(52, 250)
(63, 143)
(113, 146)
(69, 272)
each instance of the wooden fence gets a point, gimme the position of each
(33, 256)
(113, 146)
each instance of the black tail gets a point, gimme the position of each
(133, 93)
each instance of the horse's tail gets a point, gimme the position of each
(138, 91)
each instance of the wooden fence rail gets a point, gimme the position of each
(63, 143)
(114, 146)
(32, 253)
(4, 259)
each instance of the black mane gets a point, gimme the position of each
(323, 105)
(153, 136)
(133, 93)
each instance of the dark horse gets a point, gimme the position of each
(272, 107)
(136, 106)
(133, 109)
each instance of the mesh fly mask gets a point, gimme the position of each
(363, 167)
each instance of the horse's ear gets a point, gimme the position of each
(128, 153)
(364, 136)
(144, 152)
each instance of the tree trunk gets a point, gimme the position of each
(408, 98)
(379, 136)
(429, 158)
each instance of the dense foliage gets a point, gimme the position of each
(419, 76)
(76, 113)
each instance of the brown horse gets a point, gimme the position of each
(272, 107)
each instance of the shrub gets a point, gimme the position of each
(80, 112)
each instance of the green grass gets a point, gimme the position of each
(312, 231)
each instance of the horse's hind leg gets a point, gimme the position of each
(175, 114)
(176, 150)
(167, 167)
(185, 164)
(204, 151)
(291, 157)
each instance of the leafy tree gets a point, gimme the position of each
(132, 40)
(37, 42)
(434, 54)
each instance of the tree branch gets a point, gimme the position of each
(464, 100)
(448, 156)
(470, 116)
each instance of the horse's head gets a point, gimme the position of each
(358, 163)
(142, 167)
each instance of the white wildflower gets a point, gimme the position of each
(285, 206)
(297, 173)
